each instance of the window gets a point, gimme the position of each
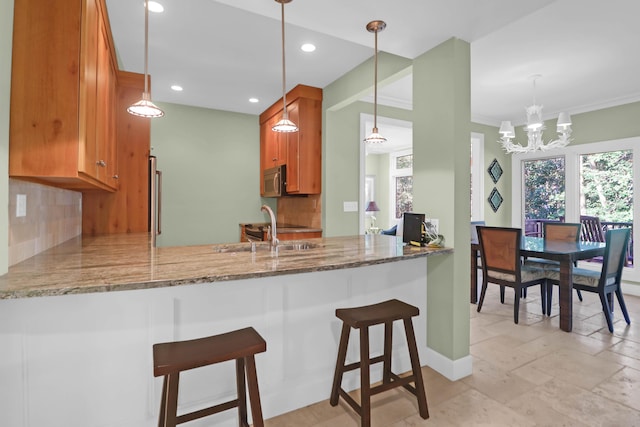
(606, 185)
(544, 193)
(402, 178)
(596, 180)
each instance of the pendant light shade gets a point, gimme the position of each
(284, 125)
(375, 137)
(144, 107)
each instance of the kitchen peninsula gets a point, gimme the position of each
(75, 352)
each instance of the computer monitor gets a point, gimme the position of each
(412, 227)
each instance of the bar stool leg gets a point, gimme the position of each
(365, 385)
(342, 356)
(163, 405)
(242, 393)
(388, 341)
(169, 405)
(417, 370)
(254, 392)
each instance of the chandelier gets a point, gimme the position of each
(535, 128)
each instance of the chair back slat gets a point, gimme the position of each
(562, 231)
(591, 229)
(500, 248)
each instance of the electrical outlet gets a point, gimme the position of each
(435, 224)
(21, 205)
(350, 206)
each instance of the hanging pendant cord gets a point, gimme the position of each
(146, 45)
(375, 83)
(284, 86)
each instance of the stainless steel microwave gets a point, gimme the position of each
(275, 181)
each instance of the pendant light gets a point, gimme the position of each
(144, 107)
(284, 125)
(375, 138)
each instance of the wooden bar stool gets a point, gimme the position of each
(361, 318)
(169, 359)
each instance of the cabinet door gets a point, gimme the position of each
(304, 157)
(293, 149)
(276, 144)
(105, 153)
(87, 155)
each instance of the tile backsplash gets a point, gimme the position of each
(51, 216)
(296, 210)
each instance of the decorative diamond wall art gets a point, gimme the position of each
(495, 199)
(495, 171)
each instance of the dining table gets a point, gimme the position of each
(566, 253)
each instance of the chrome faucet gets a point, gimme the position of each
(272, 234)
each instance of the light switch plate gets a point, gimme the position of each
(21, 205)
(350, 206)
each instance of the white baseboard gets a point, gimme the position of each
(631, 289)
(452, 369)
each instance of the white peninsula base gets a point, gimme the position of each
(85, 360)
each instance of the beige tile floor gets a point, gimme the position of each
(530, 374)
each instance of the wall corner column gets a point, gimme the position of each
(441, 188)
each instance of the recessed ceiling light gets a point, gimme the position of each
(254, 100)
(308, 47)
(177, 88)
(154, 6)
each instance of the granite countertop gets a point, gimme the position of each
(127, 262)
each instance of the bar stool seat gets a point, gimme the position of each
(171, 358)
(362, 318)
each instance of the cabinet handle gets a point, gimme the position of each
(101, 163)
(116, 177)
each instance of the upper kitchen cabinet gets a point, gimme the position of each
(63, 95)
(300, 151)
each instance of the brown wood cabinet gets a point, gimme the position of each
(63, 95)
(300, 151)
(126, 210)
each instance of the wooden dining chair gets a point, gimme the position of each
(591, 229)
(501, 265)
(607, 281)
(557, 232)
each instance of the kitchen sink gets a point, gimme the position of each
(297, 246)
(289, 245)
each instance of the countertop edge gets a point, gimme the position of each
(55, 289)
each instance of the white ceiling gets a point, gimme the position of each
(225, 51)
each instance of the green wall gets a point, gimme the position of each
(210, 162)
(441, 155)
(493, 150)
(340, 162)
(604, 125)
(6, 31)
(441, 186)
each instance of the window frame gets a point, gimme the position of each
(395, 173)
(572, 154)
